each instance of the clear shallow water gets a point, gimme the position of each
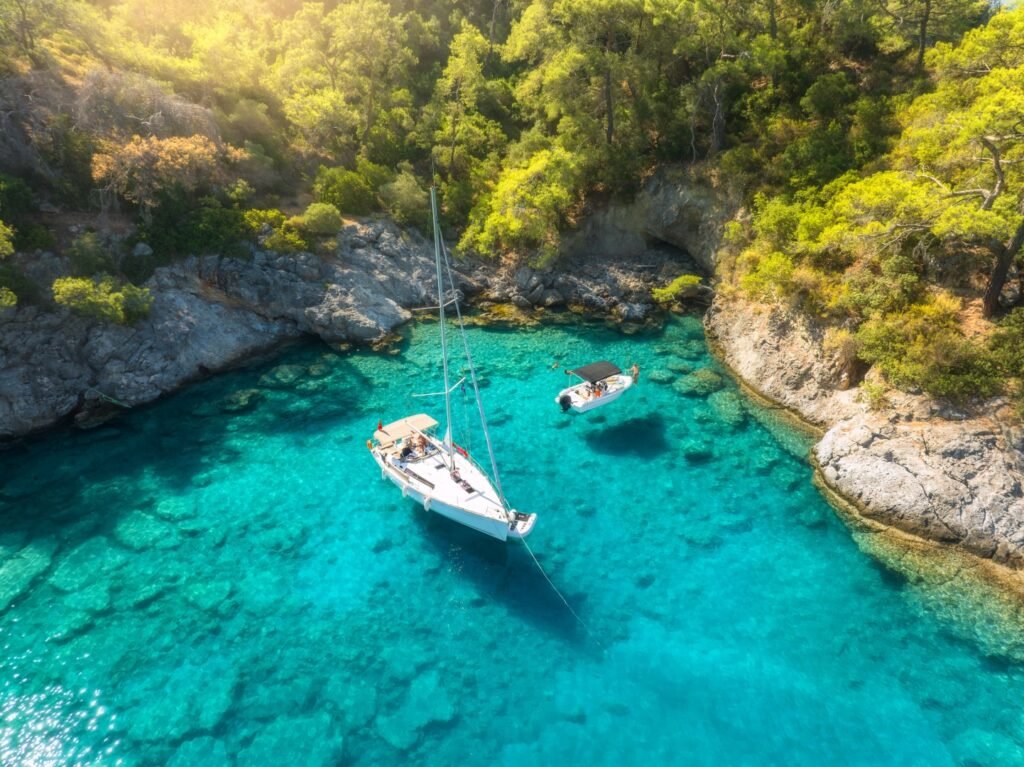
(199, 586)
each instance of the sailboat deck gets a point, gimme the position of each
(466, 488)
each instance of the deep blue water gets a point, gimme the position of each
(200, 585)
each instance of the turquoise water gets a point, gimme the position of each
(223, 579)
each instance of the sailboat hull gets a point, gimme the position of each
(500, 528)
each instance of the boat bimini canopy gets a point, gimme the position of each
(403, 428)
(596, 371)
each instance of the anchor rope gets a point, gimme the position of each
(487, 439)
(565, 601)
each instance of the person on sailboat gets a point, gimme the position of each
(635, 372)
(419, 444)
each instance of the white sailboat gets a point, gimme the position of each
(601, 383)
(434, 471)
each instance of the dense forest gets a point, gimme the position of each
(878, 143)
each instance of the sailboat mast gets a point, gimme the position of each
(440, 301)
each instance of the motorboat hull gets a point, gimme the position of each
(581, 404)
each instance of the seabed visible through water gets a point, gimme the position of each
(223, 579)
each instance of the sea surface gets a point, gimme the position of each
(224, 579)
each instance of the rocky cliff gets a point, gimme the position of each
(682, 207)
(948, 475)
(211, 313)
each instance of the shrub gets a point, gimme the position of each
(321, 218)
(214, 229)
(6, 240)
(15, 282)
(924, 348)
(376, 175)
(406, 200)
(346, 190)
(873, 393)
(15, 199)
(178, 226)
(1007, 344)
(843, 344)
(286, 239)
(89, 256)
(103, 299)
(31, 237)
(256, 219)
(771, 277)
(683, 284)
(7, 298)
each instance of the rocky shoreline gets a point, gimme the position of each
(212, 313)
(926, 469)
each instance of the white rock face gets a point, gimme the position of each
(779, 353)
(953, 477)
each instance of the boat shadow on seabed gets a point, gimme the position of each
(643, 437)
(504, 573)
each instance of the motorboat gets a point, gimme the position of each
(600, 384)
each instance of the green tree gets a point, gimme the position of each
(6, 240)
(925, 21)
(343, 70)
(965, 139)
(24, 22)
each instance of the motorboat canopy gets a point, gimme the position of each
(596, 371)
(403, 428)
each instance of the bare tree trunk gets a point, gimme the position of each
(490, 27)
(922, 35)
(1005, 254)
(717, 120)
(608, 106)
(773, 25)
(609, 130)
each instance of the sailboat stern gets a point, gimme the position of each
(521, 524)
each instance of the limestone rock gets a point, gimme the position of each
(780, 353)
(241, 400)
(189, 702)
(675, 206)
(282, 376)
(94, 561)
(945, 474)
(699, 383)
(308, 741)
(208, 595)
(138, 530)
(427, 702)
(200, 752)
(729, 408)
(18, 573)
(660, 376)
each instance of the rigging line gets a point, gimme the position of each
(453, 387)
(441, 303)
(565, 601)
(472, 373)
